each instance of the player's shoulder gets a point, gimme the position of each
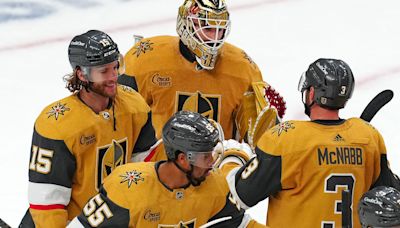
(132, 176)
(131, 101)
(362, 126)
(62, 117)
(237, 60)
(153, 46)
(215, 184)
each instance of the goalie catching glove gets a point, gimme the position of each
(261, 108)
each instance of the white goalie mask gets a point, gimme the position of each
(203, 26)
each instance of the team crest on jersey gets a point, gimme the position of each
(181, 224)
(131, 177)
(248, 58)
(127, 88)
(282, 127)
(207, 105)
(142, 47)
(57, 110)
(110, 157)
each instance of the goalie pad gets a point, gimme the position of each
(261, 108)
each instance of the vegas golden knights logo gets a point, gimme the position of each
(181, 224)
(207, 105)
(108, 158)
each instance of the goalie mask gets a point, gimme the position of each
(203, 26)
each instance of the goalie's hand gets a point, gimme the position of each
(235, 152)
(262, 107)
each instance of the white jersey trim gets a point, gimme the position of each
(230, 178)
(140, 156)
(48, 194)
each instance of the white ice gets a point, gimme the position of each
(282, 36)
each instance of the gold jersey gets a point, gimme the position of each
(170, 82)
(303, 167)
(74, 149)
(133, 196)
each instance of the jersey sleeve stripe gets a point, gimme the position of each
(48, 194)
(231, 179)
(47, 207)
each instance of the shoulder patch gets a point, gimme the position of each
(282, 127)
(142, 47)
(248, 58)
(57, 110)
(130, 177)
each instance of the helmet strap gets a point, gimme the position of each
(192, 181)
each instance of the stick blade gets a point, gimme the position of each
(376, 104)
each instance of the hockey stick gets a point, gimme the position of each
(376, 104)
(346, 209)
(4, 224)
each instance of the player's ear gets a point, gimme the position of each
(182, 160)
(311, 95)
(80, 74)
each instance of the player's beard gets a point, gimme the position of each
(106, 89)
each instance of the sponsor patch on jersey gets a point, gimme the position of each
(207, 105)
(87, 140)
(142, 47)
(161, 81)
(131, 177)
(57, 110)
(151, 216)
(282, 127)
(181, 224)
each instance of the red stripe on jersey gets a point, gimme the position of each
(152, 153)
(47, 207)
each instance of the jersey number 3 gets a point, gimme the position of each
(332, 183)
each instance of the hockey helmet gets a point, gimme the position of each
(195, 17)
(94, 49)
(380, 207)
(192, 134)
(332, 80)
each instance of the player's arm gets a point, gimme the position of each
(51, 170)
(255, 181)
(101, 211)
(231, 215)
(146, 144)
(386, 176)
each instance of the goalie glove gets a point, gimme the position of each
(235, 154)
(261, 108)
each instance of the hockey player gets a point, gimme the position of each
(184, 191)
(305, 164)
(197, 71)
(380, 207)
(77, 141)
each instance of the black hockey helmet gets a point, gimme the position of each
(380, 207)
(189, 132)
(93, 48)
(333, 82)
